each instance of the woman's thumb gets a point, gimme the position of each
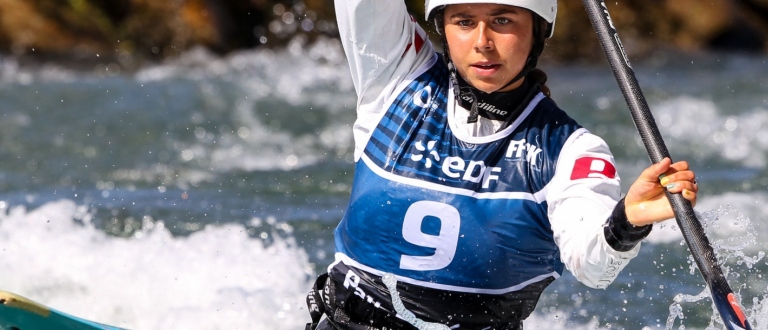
(653, 172)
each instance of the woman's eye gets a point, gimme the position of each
(464, 23)
(502, 20)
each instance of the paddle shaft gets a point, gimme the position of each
(694, 235)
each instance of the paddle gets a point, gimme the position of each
(722, 295)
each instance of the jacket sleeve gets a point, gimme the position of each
(383, 45)
(586, 212)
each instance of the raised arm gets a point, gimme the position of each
(384, 46)
(376, 35)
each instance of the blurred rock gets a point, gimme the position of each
(132, 31)
(644, 26)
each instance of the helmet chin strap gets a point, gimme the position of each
(530, 64)
(457, 89)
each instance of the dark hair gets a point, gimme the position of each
(540, 77)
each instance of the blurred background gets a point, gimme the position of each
(129, 32)
(182, 164)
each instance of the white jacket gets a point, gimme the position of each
(384, 44)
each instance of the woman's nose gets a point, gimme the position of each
(483, 42)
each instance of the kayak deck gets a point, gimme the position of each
(19, 313)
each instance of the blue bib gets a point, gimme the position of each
(445, 213)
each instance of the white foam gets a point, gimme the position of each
(257, 147)
(310, 76)
(557, 321)
(296, 74)
(728, 224)
(728, 217)
(714, 133)
(217, 278)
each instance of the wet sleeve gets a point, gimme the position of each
(377, 35)
(383, 46)
(587, 219)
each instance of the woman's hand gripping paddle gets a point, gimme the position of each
(722, 295)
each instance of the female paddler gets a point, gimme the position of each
(473, 190)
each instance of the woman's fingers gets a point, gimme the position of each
(646, 202)
(690, 196)
(679, 179)
(677, 173)
(655, 171)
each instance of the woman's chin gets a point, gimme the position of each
(491, 87)
(486, 87)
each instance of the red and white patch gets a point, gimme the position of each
(418, 39)
(593, 167)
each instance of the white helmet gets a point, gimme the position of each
(547, 9)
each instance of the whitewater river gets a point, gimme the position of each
(202, 193)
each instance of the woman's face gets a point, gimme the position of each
(489, 43)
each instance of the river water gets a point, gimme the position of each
(202, 193)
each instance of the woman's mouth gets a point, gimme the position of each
(485, 68)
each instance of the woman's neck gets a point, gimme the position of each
(501, 106)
